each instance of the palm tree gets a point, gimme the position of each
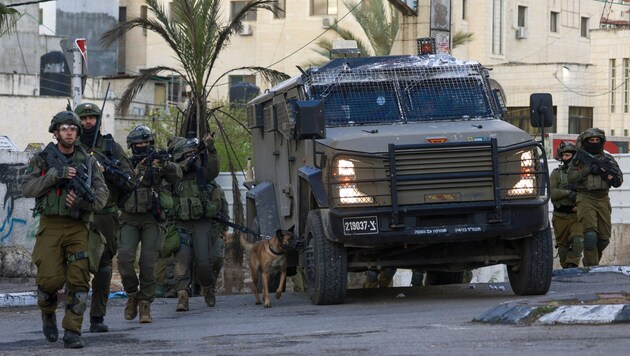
(197, 35)
(8, 18)
(379, 21)
(461, 38)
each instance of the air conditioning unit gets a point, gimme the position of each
(246, 30)
(328, 22)
(521, 33)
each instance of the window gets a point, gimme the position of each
(323, 7)
(497, 26)
(143, 15)
(464, 10)
(522, 16)
(520, 117)
(281, 4)
(553, 22)
(584, 27)
(626, 88)
(122, 47)
(580, 119)
(613, 83)
(237, 6)
(41, 16)
(242, 88)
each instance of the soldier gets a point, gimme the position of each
(143, 213)
(67, 186)
(566, 227)
(217, 237)
(594, 171)
(193, 204)
(118, 175)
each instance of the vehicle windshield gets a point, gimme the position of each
(401, 89)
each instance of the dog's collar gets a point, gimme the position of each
(275, 252)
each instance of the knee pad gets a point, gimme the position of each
(590, 240)
(577, 245)
(372, 276)
(44, 299)
(78, 302)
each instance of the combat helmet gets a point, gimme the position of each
(140, 134)
(65, 117)
(87, 109)
(565, 146)
(592, 132)
(183, 146)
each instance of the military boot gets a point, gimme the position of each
(182, 303)
(97, 325)
(49, 322)
(131, 309)
(72, 340)
(145, 311)
(208, 295)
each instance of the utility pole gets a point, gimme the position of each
(75, 51)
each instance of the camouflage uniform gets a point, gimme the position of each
(60, 251)
(106, 220)
(593, 202)
(217, 243)
(567, 229)
(143, 213)
(193, 204)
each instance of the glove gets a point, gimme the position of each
(572, 196)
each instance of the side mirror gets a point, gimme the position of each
(309, 119)
(541, 110)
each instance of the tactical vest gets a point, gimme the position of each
(192, 203)
(149, 197)
(593, 181)
(563, 183)
(105, 145)
(54, 201)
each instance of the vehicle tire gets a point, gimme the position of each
(326, 264)
(274, 280)
(532, 275)
(440, 278)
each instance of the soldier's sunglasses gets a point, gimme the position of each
(63, 128)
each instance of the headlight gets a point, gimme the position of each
(344, 187)
(519, 174)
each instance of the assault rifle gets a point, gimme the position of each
(120, 178)
(80, 183)
(602, 167)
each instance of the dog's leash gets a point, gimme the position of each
(222, 219)
(298, 243)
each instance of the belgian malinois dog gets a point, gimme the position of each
(268, 257)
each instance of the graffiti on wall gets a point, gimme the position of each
(10, 178)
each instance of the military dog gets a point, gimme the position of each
(268, 257)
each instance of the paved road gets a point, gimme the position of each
(392, 321)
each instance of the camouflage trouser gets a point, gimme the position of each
(164, 275)
(200, 253)
(594, 212)
(140, 229)
(568, 229)
(109, 226)
(217, 254)
(57, 238)
(379, 280)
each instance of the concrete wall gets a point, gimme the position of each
(18, 227)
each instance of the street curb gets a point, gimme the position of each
(552, 311)
(19, 299)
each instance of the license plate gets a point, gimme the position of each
(360, 226)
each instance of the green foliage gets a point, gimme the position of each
(380, 23)
(162, 123)
(232, 138)
(8, 19)
(460, 38)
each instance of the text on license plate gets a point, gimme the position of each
(360, 226)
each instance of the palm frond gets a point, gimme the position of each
(8, 19)
(271, 76)
(137, 84)
(460, 38)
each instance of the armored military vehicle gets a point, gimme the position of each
(399, 162)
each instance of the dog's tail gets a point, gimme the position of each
(246, 244)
